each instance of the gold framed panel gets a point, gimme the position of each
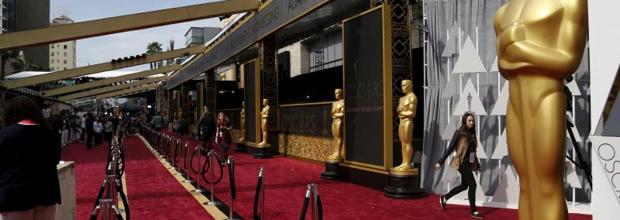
(200, 87)
(386, 21)
(257, 99)
(364, 167)
(306, 104)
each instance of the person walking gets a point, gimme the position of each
(108, 128)
(89, 130)
(98, 132)
(158, 122)
(29, 152)
(223, 137)
(464, 142)
(208, 127)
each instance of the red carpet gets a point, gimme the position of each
(89, 174)
(286, 181)
(153, 193)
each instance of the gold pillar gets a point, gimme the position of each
(401, 63)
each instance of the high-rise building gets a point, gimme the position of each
(2, 19)
(200, 35)
(21, 15)
(62, 54)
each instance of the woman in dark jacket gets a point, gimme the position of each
(464, 143)
(29, 152)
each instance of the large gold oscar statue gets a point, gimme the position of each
(242, 116)
(337, 114)
(406, 112)
(264, 118)
(539, 43)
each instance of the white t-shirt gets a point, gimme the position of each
(97, 127)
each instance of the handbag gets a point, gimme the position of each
(475, 166)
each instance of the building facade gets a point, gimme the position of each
(2, 19)
(200, 35)
(62, 55)
(21, 15)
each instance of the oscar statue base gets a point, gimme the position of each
(262, 152)
(241, 147)
(404, 186)
(331, 171)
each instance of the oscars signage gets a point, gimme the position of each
(272, 17)
(312, 120)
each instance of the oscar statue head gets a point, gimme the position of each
(265, 102)
(338, 93)
(242, 104)
(406, 86)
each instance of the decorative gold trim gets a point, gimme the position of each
(257, 98)
(365, 168)
(403, 173)
(230, 109)
(255, 145)
(263, 5)
(306, 104)
(305, 146)
(387, 90)
(388, 142)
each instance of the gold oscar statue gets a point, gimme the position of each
(264, 118)
(242, 115)
(539, 43)
(406, 112)
(337, 114)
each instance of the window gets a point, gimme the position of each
(52, 59)
(65, 46)
(52, 54)
(57, 53)
(52, 45)
(65, 54)
(65, 68)
(65, 62)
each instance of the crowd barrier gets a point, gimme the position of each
(199, 163)
(112, 186)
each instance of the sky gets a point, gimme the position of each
(102, 49)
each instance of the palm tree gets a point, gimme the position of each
(152, 48)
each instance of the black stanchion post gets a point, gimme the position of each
(111, 188)
(212, 161)
(259, 197)
(198, 175)
(313, 200)
(233, 190)
(304, 206)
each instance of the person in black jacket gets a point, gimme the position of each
(464, 143)
(90, 133)
(208, 127)
(29, 152)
